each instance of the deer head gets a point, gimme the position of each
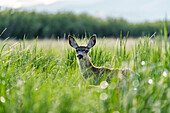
(82, 51)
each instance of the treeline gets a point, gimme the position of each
(44, 25)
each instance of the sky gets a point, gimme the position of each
(21, 3)
(131, 10)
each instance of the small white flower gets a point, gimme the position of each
(2, 99)
(103, 96)
(135, 89)
(165, 74)
(103, 85)
(150, 81)
(143, 63)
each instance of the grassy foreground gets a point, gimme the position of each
(44, 77)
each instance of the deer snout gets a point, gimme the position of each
(80, 56)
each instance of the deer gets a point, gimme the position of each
(88, 70)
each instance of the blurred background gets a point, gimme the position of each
(106, 18)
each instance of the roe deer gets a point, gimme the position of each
(88, 70)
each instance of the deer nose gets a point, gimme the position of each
(80, 56)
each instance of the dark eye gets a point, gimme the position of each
(76, 50)
(86, 51)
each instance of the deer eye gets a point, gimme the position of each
(86, 51)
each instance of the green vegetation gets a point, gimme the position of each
(43, 76)
(41, 79)
(44, 25)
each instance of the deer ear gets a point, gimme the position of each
(92, 41)
(72, 42)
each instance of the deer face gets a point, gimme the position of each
(82, 51)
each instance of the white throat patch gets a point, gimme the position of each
(82, 64)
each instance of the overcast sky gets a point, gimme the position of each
(131, 10)
(21, 3)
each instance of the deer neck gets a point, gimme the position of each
(85, 64)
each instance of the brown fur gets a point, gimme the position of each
(98, 72)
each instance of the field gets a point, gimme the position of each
(42, 76)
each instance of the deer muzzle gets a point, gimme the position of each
(80, 56)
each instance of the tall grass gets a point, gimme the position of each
(40, 79)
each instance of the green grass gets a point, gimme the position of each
(43, 76)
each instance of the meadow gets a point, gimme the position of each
(43, 76)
